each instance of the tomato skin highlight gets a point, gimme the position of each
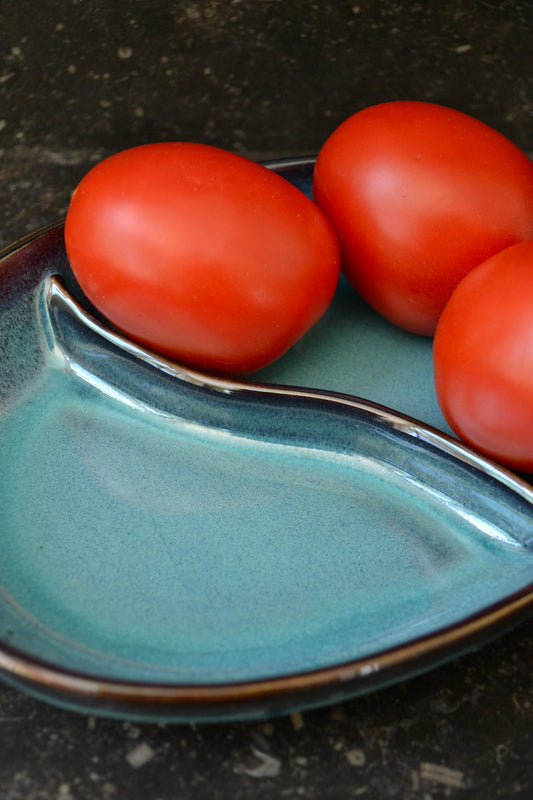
(419, 194)
(201, 255)
(483, 358)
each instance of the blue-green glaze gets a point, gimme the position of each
(160, 530)
(157, 548)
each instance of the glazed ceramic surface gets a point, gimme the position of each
(181, 547)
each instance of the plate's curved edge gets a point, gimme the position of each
(28, 238)
(56, 292)
(263, 698)
(290, 161)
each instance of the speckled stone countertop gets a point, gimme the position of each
(80, 80)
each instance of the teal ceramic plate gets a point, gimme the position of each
(184, 548)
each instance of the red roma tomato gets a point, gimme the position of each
(420, 194)
(483, 358)
(201, 255)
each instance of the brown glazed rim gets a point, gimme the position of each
(350, 678)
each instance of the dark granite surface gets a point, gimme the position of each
(80, 80)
